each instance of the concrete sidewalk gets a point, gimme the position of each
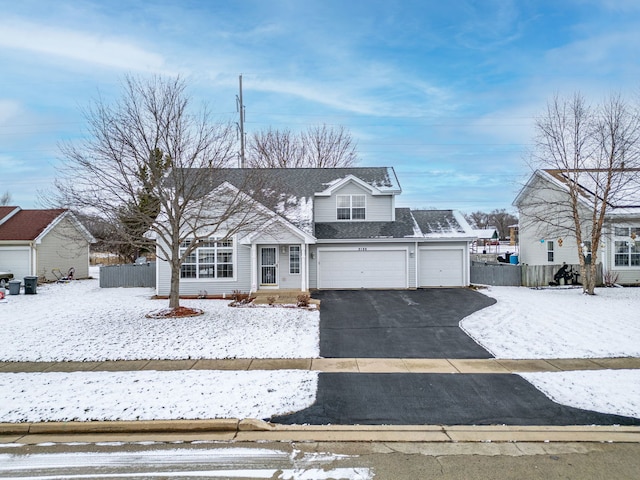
(337, 365)
(251, 430)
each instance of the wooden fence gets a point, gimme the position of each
(134, 275)
(509, 275)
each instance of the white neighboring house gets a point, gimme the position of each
(335, 228)
(550, 241)
(34, 242)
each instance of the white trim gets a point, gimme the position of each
(215, 279)
(353, 179)
(351, 207)
(9, 215)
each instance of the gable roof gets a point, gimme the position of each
(27, 225)
(290, 192)
(624, 199)
(6, 212)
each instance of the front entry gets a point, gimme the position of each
(268, 266)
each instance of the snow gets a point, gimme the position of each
(606, 391)
(558, 323)
(79, 321)
(149, 395)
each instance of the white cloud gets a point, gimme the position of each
(77, 45)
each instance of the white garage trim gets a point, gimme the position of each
(363, 267)
(442, 267)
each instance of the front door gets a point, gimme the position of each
(268, 266)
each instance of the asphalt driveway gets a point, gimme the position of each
(438, 399)
(399, 323)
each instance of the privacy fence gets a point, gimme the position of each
(134, 275)
(509, 275)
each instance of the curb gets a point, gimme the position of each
(254, 430)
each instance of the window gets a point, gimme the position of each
(549, 250)
(627, 247)
(351, 207)
(586, 251)
(212, 259)
(294, 259)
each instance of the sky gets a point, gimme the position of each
(445, 92)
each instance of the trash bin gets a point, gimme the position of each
(30, 284)
(513, 259)
(14, 287)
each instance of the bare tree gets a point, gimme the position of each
(502, 220)
(5, 198)
(590, 150)
(478, 219)
(151, 161)
(318, 147)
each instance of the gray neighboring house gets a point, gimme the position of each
(337, 228)
(545, 196)
(34, 242)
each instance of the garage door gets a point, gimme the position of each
(441, 268)
(362, 268)
(15, 260)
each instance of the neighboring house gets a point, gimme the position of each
(34, 242)
(545, 228)
(336, 228)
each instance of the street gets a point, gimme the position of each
(349, 461)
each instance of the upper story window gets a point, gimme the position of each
(351, 207)
(213, 258)
(627, 246)
(550, 250)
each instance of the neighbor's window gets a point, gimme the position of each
(351, 207)
(586, 251)
(550, 250)
(627, 247)
(212, 259)
(294, 259)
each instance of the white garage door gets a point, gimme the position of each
(355, 268)
(441, 268)
(15, 260)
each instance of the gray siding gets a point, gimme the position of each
(62, 248)
(226, 287)
(379, 208)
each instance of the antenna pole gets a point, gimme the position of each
(243, 163)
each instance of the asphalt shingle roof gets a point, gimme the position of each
(28, 224)
(401, 228)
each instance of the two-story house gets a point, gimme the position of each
(546, 228)
(335, 228)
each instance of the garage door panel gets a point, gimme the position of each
(441, 268)
(16, 261)
(362, 269)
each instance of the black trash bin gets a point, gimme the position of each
(14, 287)
(30, 285)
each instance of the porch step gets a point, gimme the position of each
(280, 297)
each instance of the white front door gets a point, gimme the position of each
(269, 266)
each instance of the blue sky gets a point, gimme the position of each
(445, 92)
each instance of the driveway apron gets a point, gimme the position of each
(438, 399)
(399, 323)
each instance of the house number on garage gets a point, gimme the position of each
(362, 249)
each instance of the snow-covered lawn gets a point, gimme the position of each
(82, 322)
(151, 395)
(558, 323)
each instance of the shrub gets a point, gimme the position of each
(241, 298)
(303, 300)
(609, 278)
